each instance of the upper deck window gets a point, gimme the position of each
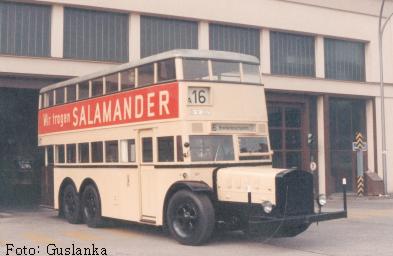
(127, 79)
(251, 74)
(83, 90)
(226, 71)
(112, 83)
(71, 93)
(59, 95)
(97, 87)
(166, 70)
(48, 99)
(194, 69)
(146, 74)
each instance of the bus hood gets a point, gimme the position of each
(234, 183)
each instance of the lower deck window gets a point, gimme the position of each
(211, 148)
(71, 153)
(49, 155)
(147, 150)
(97, 152)
(166, 152)
(253, 145)
(127, 151)
(83, 152)
(112, 151)
(59, 153)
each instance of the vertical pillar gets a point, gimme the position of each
(321, 145)
(203, 35)
(379, 136)
(134, 36)
(370, 135)
(265, 50)
(319, 57)
(57, 31)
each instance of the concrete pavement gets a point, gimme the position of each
(367, 231)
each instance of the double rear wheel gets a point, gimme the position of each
(86, 208)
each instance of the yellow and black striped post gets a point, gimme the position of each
(359, 145)
(360, 185)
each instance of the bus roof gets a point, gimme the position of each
(182, 53)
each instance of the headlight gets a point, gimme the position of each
(267, 206)
(321, 200)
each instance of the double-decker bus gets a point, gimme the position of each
(180, 140)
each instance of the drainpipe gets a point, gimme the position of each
(381, 29)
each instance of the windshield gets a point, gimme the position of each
(253, 145)
(226, 71)
(211, 148)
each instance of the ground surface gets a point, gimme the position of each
(367, 231)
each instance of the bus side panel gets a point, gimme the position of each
(118, 189)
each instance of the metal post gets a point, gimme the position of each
(345, 196)
(360, 173)
(381, 29)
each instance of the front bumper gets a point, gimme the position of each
(296, 220)
(291, 225)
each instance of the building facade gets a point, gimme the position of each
(319, 63)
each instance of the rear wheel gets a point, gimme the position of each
(190, 217)
(91, 207)
(71, 205)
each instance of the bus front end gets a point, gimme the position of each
(227, 140)
(270, 202)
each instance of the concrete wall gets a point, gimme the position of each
(347, 19)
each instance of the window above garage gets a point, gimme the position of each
(292, 54)
(344, 60)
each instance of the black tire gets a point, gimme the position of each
(91, 207)
(190, 217)
(71, 206)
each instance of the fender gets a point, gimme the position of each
(194, 186)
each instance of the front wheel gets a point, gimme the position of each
(190, 217)
(91, 207)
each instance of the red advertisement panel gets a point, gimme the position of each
(144, 104)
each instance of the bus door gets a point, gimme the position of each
(147, 176)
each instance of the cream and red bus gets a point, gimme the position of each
(179, 140)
